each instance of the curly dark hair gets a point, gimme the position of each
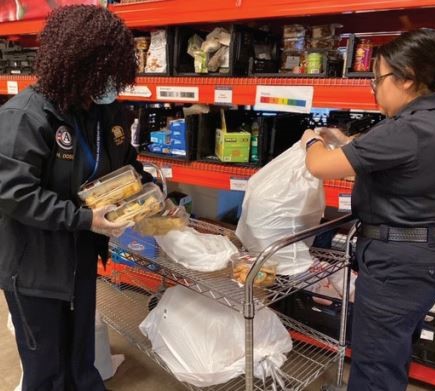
(81, 48)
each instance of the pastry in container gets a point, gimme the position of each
(147, 202)
(241, 265)
(111, 188)
(171, 218)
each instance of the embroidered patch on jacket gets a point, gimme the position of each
(118, 135)
(64, 138)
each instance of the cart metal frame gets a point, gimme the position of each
(305, 362)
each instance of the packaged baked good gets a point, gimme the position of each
(147, 202)
(111, 188)
(171, 218)
(241, 265)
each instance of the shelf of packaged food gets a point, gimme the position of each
(163, 12)
(231, 177)
(336, 93)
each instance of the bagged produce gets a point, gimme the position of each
(197, 251)
(203, 342)
(282, 199)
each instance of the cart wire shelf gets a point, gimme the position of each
(218, 285)
(124, 306)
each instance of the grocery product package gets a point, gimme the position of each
(203, 342)
(282, 199)
(171, 218)
(197, 251)
(331, 286)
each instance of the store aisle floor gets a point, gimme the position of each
(137, 373)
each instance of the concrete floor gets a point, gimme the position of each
(137, 373)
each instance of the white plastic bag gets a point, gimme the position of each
(283, 198)
(203, 342)
(331, 286)
(197, 251)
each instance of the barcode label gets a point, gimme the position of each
(189, 94)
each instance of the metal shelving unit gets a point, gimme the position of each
(312, 353)
(305, 362)
(218, 285)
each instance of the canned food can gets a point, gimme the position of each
(314, 63)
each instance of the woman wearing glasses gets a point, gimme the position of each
(394, 198)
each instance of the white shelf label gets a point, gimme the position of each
(427, 335)
(150, 170)
(167, 172)
(284, 98)
(141, 91)
(223, 95)
(238, 184)
(189, 94)
(12, 87)
(344, 202)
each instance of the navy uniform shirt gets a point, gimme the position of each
(395, 168)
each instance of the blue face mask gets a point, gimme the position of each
(108, 96)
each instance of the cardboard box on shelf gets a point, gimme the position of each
(232, 147)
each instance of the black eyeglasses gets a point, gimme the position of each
(374, 82)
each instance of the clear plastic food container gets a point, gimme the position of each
(111, 188)
(241, 265)
(171, 218)
(147, 202)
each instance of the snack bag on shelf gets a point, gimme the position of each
(190, 333)
(282, 199)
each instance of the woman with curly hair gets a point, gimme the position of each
(63, 131)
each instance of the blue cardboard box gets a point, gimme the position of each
(160, 137)
(132, 242)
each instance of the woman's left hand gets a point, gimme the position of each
(307, 136)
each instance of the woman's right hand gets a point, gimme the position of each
(333, 136)
(102, 226)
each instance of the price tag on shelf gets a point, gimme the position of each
(284, 98)
(140, 91)
(12, 87)
(238, 184)
(150, 170)
(427, 335)
(167, 171)
(344, 202)
(183, 94)
(223, 95)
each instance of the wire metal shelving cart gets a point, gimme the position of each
(124, 300)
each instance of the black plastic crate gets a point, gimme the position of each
(424, 348)
(238, 50)
(154, 119)
(169, 51)
(277, 132)
(324, 318)
(351, 48)
(353, 122)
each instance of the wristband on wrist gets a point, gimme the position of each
(312, 141)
